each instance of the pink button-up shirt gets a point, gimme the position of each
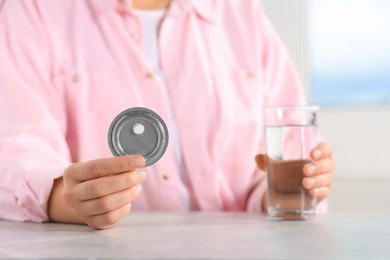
(67, 68)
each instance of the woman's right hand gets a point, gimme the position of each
(99, 192)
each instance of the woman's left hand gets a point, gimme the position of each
(319, 173)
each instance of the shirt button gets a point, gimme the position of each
(250, 74)
(134, 36)
(149, 74)
(75, 78)
(166, 176)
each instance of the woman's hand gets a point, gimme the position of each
(97, 192)
(319, 173)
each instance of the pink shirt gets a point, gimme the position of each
(69, 67)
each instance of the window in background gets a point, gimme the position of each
(350, 52)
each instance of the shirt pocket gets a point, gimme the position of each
(247, 93)
(92, 100)
(98, 91)
(241, 115)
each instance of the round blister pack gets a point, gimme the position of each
(139, 131)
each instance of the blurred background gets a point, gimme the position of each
(342, 51)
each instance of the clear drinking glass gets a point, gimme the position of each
(291, 132)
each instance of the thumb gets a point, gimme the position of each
(261, 161)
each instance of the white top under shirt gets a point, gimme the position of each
(151, 20)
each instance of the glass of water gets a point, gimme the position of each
(291, 132)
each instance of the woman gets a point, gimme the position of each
(206, 67)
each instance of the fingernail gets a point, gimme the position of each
(311, 169)
(138, 188)
(317, 154)
(140, 175)
(310, 182)
(137, 162)
(316, 191)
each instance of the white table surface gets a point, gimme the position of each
(203, 236)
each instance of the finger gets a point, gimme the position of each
(261, 161)
(319, 193)
(319, 167)
(323, 180)
(110, 202)
(103, 167)
(322, 150)
(107, 185)
(108, 219)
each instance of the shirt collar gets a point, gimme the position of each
(204, 8)
(102, 7)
